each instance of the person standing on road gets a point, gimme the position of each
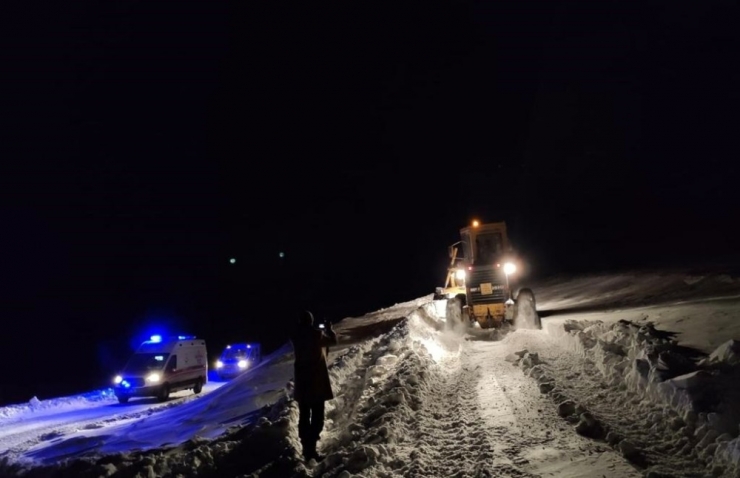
(312, 383)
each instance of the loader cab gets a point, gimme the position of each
(485, 244)
(489, 272)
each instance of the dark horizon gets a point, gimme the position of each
(147, 143)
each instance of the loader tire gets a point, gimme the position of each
(454, 313)
(526, 315)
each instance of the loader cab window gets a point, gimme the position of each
(466, 252)
(488, 247)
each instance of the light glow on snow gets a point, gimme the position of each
(434, 349)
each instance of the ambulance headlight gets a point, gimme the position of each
(152, 378)
(219, 364)
(509, 268)
(243, 364)
(118, 379)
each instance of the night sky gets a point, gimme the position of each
(145, 143)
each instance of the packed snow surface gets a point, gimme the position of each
(631, 375)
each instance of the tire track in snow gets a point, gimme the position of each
(452, 437)
(525, 426)
(645, 423)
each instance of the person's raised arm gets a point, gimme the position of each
(329, 337)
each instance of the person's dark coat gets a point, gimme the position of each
(312, 383)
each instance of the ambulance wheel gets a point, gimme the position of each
(198, 386)
(164, 393)
(123, 399)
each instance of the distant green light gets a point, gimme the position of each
(282, 254)
(232, 260)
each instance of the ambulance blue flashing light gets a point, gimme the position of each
(156, 339)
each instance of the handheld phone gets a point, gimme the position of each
(322, 326)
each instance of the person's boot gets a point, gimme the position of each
(316, 455)
(309, 449)
(309, 452)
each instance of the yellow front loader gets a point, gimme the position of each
(483, 279)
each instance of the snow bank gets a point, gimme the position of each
(726, 354)
(692, 405)
(74, 402)
(382, 385)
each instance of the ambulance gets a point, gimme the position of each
(237, 359)
(163, 365)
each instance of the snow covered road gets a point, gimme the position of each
(420, 402)
(46, 422)
(525, 426)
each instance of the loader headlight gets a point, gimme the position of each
(509, 268)
(243, 364)
(152, 378)
(460, 274)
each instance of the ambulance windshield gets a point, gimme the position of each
(238, 353)
(142, 363)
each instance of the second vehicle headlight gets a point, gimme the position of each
(152, 378)
(243, 364)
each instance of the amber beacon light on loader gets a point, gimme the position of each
(484, 277)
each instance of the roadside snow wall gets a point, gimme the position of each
(704, 394)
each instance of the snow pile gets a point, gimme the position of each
(644, 394)
(59, 404)
(382, 387)
(726, 354)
